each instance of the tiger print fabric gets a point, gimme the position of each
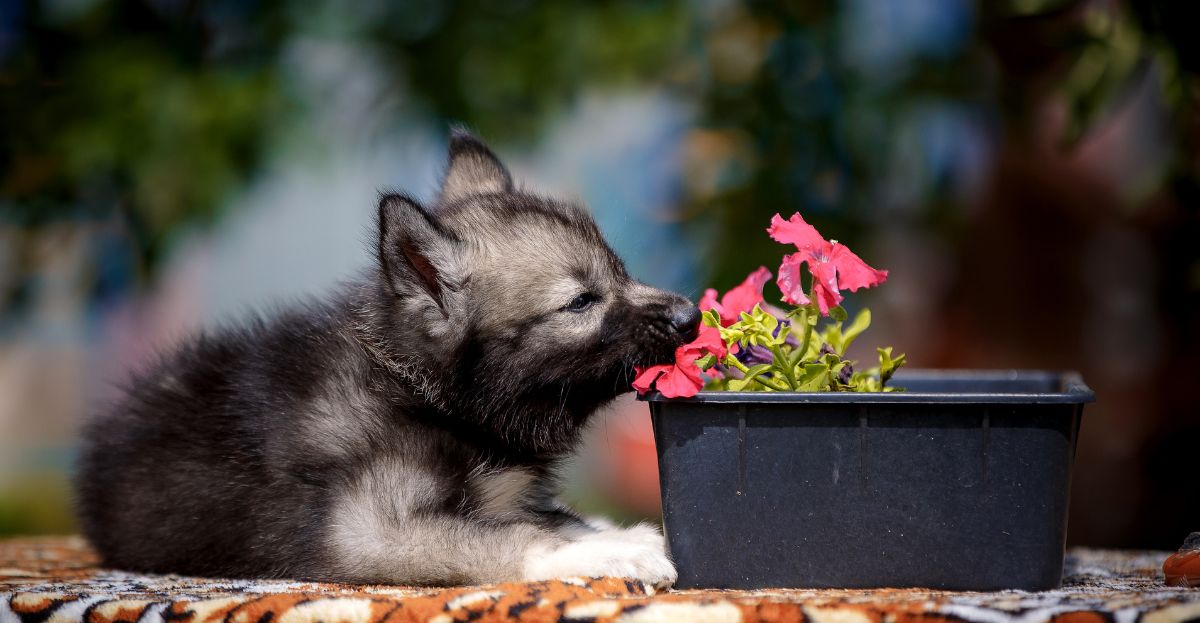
(55, 580)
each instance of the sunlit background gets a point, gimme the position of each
(1026, 169)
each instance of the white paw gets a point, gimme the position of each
(636, 553)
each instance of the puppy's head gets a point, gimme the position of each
(523, 317)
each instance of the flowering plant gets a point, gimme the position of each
(746, 344)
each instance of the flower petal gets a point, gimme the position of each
(825, 286)
(794, 231)
(789, 279)
(755, 354)
(709, 301)
(708, 340)
(646, 377)
(852, 272)
(744, 296)
(682, 380)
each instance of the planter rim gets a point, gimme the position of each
(1072, 390)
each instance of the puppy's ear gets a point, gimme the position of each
(473, 169)
(416, 253)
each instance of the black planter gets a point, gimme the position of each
(960, 482)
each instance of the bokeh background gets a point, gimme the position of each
(1026, 169)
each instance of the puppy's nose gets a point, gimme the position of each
(685, 320)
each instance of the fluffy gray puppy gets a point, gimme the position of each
(404, 430)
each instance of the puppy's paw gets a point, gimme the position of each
(628, 553)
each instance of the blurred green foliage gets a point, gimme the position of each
(122, 109)
(40, 504)
(153, 112)
(838, 126)
(506, 68)
(817, 124)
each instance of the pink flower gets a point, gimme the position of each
(709, 341)
(789, 280)
(681, 379)
(833, 265)
(794, 231)
(742, 298)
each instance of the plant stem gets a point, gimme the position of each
(733, 361)
(811, 308)
(782, 361)
(807, 331)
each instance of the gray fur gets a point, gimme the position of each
(404, 430)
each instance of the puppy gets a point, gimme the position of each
(404, 430)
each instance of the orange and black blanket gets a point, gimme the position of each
(57, 580)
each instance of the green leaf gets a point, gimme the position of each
(814, 378)
(862, 320)
(833, 337)
(706, 361)
(795, 356)
(888, 364)
(752, 373)
(896, 363)
(781, 337)
(814, 346)
(838, 313)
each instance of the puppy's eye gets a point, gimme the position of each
(581, 302)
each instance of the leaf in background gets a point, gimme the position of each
(1105, 71)
(861, 322)
(887, 364)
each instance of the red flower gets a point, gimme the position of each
(833, 265)
(742, 298)
(794, 231)
(789, 280)
(681, 379)
(708, 340)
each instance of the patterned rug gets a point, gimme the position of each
(55, 580)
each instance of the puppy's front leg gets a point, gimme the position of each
(445, 548)
(394, 525)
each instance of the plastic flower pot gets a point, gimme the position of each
(961, 482)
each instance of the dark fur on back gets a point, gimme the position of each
(398, 415)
